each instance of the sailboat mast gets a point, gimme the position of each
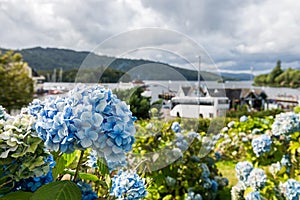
(199, 67)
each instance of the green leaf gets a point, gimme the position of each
(88, 177)
(61, 190)
(19, 195)
(108, 180)
(103, 169)
(59, 167)
(69, 158)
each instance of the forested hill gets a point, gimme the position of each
(45, 60)
(279, 78)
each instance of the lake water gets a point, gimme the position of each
(157, 87)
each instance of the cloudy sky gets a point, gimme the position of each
(237, 34)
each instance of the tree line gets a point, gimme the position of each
(279, 78)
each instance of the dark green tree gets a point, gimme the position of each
(16, 85)
(139, 105)
(275, 73)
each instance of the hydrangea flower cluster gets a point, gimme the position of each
(286, 124)
(176, 127)
(128, 185)
(243, 170)
(261, 144)
(3, 114)
(253, 196)
(231, 124)
(275, 168)
(181, 142)
(33, 183)
(237, 191)
(286, 161)
(257, 179)
(22, 152)
(193, 196)
(170, 181)
(87, 192)
(248, 176)
(243, 118)
(88, 117)
(291, 189)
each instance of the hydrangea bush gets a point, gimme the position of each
(88, 132)
(191, 174)
(22, 152)
(272, 145)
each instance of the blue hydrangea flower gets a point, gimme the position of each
(255, 131)
(33, 183)
(128, 185)
(275, 168)
(207, 183)
(176, 127)
(253, 196)
(192, 135)
(257, 179)
(214, 186)
(205, 170)
(286, 161)
(291, 189)
(88, 117)
(261, 144)
(87, 192)
(92, 159)
(237, 191)
(243, 170)
(170, 181)
(243, 118)
(218, 155)
(3, 114)
(181, 142)
(286, 124)
(231, 124)
(193, 196)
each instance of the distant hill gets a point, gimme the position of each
(45, 60)
(238, 76)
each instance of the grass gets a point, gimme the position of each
(227, 169)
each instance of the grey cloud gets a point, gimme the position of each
(236, 34)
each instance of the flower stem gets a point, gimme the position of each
(78, 165)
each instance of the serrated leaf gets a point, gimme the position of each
(61, 190)
(19, 195)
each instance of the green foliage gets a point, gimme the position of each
(236, 142)
(260, 114)
(98, 75)
(139, 105)
(183, 174)
(16, 85)
(61, 190)
(19, 195)
(279, 78)
(297, 109)
(235, 145)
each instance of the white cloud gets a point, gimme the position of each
(237, 34)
